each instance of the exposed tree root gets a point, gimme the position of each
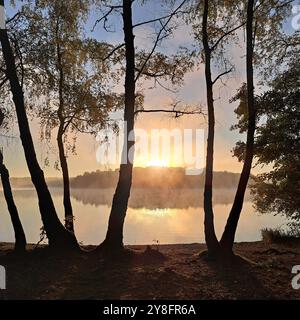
(228, 258)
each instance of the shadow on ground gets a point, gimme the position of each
(173, 272)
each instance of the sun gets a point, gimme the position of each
(158, 163)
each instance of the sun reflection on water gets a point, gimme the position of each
(157, 212)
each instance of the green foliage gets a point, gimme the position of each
(277, 144)
(67, 80)
(242, 110)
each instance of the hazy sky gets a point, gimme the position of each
(193, 91)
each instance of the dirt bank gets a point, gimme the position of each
(181, 274)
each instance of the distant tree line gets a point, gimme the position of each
(161, 178)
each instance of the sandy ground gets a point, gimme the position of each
(179, 274)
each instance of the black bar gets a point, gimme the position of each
(150, 309)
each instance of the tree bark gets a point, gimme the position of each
(69, 219)
(209, 230)
(114, 236)
(227, 239)
(20, 239)
(20, 243)
(58, 236)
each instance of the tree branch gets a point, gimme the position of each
(104, 17)
(156, 19)
(13, 17)
(177, 113)
(225, 35)
(114, 50)
(221, 75)
(159, 38)
(185, 110)
(152, 75)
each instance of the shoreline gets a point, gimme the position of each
(176, 272)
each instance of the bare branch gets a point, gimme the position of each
(222, 74)
(114, 50)
(177, 113)
(17, 15)
(283, 4)
(156, 19)
(177, 109)
(163, 86)
(151, 74)
(242, 24)
(104, 18)
(159, 37)
(226, 34)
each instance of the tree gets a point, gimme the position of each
(138, 64)
(20, 243)
(271, 14)
(214, 39)
(58, 236)
(214, 35)
(72, 81)
(114, 236)
(209, 230)
(227, 239)
(277, 144)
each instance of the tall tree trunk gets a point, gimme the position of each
(58, 236)
(114, 236)
(69, 219)
(20, 243)
(69, 224)
(227, 239)
(209, 230)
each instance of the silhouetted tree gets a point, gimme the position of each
(58, 236)
(114, 236)
(71, 93)
(149, 65)
(259, 14)
(20, 243)
(227, 239)
(213, 36)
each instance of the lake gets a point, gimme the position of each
(167, 216)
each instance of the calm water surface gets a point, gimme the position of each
(170, 216)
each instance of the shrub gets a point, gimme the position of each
(280, 235)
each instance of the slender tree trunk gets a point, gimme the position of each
(209, 230)
(227, 239)
(20, 243)
(114, 236)
(58, 236)
(69, 224)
